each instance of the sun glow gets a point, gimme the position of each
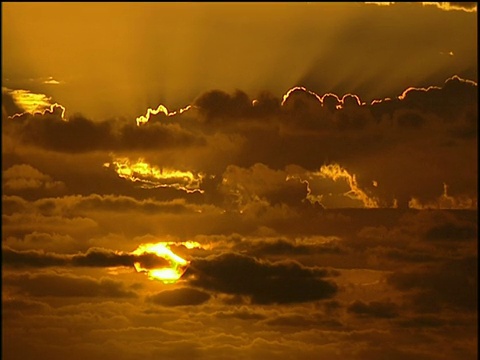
(168, 275)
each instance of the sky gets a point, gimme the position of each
(293, 180)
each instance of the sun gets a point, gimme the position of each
(168, 275)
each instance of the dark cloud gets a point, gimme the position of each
(422, 321)
(9, 106)
(453, 284)
(217, 105)
(377, 309)
(40, 285)
(23, 306)
(179, 297)
(124, 203)
(31, 258)
(94, 257)
(81, 205)
(79, 134)
(264, 282)
(276, 247)
(452, 232)
(436, 123)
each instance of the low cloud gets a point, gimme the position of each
(25, 177)
(179, 297)
(375, 309)
(46, 284)
(94, 257)
(262, 281)
(453, 284)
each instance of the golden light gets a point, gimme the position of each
(336, 172)
(153, 177)
(33, 103)
(176, 264)
(160, 109)
(168, 275)
(301, 88)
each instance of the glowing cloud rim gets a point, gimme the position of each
(151, 177)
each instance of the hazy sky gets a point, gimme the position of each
(121, 58)
(239, 181)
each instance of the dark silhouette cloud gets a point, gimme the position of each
(9, 107)
(221, 135)
(263, 282)
(217, 104)
(94, 257)
(79, 134)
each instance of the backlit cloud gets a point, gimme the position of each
(263, 282)
(33, 103)
(153, 177)
(447, 6)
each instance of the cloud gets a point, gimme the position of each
(375, 309)
(79, 134)
(445, 201)
(322, 191)
(153, 177)
(453, 284)
(298, 195)
(284, 247)
(179, 297)
(51, 81)
(216, 105)
(94, 257)
(452, 231)
(24, 177)
(243, 313)
(262, 281)
(259, 183)
(447, 6)
(159, 110)
(46, 284)
(464, 6)
(9, 106)
(30, 103)
(368, 143)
